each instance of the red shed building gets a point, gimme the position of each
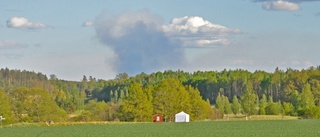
(157, 118)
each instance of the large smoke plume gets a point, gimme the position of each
(139, 43)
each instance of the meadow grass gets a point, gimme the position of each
(252, 128)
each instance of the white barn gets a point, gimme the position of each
(182, 117)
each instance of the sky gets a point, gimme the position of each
(102, 38)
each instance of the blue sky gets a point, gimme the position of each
(102, 38)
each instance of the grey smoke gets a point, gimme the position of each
(139, 43)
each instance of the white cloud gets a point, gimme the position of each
(142, 43)
(88, 23)
(120, 25)
(281, 5)
(194, 31)
(20, 22)
(5, 44)
(295, 1)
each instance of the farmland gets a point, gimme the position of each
(260, 128)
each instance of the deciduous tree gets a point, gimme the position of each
(248, 100)
(262, 105)
(5, 109)
(306, 97)
(171, 97)
(236, 106)
(136, 107)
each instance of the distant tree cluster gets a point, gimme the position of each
(167, 98)
(29, 105)
(25, 96)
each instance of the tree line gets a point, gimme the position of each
(26, 95)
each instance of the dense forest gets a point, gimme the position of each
(27, 96)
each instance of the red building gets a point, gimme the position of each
(157, 118)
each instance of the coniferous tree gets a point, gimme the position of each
(122, 95)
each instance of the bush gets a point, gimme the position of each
(312, 113)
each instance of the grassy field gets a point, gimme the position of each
(262, 117)
(254, 128)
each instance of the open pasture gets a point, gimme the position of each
(285, 128)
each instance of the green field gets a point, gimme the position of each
(270, 128)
